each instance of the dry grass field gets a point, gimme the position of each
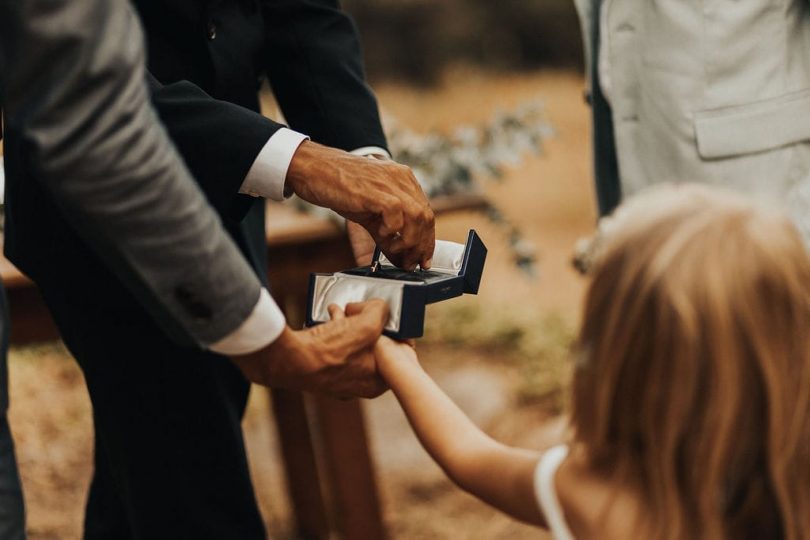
(501, 355)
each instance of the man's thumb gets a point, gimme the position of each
(373, 315)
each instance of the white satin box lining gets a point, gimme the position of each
(342, 289)
(448, 258)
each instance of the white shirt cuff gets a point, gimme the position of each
(262, 327)
(268, 173)
(373, 151)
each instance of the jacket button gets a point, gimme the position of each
(212, 31)
(193, 305)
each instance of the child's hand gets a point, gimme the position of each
(394, 358)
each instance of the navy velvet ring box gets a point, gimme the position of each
(456, 270)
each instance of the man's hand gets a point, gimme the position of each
(335, 358)
(362, 243)
(382, 196)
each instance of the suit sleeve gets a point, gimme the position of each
(219, 141)
(76, 102)
(315, 67)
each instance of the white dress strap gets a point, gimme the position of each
(546, 493)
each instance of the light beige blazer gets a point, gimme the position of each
(716, 91)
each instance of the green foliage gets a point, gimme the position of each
(462, 162)
(545, 362)
(536, 346)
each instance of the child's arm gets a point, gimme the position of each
(497, 474)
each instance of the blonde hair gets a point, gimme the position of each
(693, 375)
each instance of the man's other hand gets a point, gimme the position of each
(382, 196)
(334, 358)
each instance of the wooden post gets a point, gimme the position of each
(300, 465)
(356, 503)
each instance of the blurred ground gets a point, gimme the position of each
(501, 355)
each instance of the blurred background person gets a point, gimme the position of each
(681, 93)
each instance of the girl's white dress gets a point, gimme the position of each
(546, 493)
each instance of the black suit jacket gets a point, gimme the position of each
(308, 50)
(209, 57)
(218, 140)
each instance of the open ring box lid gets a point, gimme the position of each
(457, 269)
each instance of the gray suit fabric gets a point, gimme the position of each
(77, 110)
(79, 122)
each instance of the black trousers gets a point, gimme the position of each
(169, 453)
(12, 510)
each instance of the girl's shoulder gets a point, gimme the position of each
(590, 504)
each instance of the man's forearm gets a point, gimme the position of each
(219, 141)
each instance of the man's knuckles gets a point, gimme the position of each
(371, 326)
(428, 217)
(393, 218)
(379, 308)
